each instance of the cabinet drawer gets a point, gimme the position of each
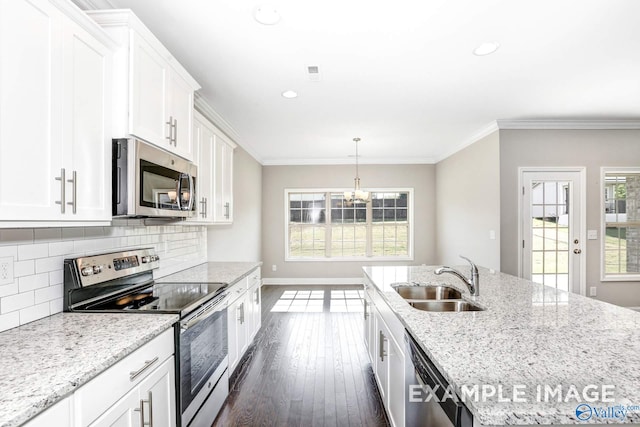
(106, 389)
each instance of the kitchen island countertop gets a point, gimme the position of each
(44, 361)
(529, 337)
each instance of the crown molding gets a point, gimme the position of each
(349, 161)
(204, 108)
(569, 124)
(482, 133)
(94, 4)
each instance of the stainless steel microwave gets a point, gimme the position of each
(150, 182)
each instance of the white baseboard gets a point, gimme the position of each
(312, 281)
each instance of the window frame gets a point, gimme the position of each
(604, 276)
(410, 224)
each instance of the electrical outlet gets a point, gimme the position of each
(592, 291)
(274, 267)
(6, 270)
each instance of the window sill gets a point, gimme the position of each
(621, 278)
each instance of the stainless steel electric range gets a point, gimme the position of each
(123, 282)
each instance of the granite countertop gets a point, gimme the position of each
(529, 336)
(212, 272)
(44, 361)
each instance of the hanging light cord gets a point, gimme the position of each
(357, 169)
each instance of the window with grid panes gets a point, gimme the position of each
(621, 236)
(375, 230)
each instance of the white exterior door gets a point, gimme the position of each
(552, 227)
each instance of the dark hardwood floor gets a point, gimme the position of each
(308, 365)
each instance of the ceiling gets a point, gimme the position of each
(400, 75)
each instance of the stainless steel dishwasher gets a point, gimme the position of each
(420, 375)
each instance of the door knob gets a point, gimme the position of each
(577, 251)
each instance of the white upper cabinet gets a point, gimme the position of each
(214, 185)
(153, 92)
(55, 80)
(223, 180)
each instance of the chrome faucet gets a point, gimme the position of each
(473, 283)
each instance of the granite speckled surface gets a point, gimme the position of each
(212, 272)
(44, 361)
(529, 336)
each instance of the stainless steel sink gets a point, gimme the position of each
(428, 292)
(441, 306)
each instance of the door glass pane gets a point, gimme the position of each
(550, 233)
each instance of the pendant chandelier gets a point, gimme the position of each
(357, 195)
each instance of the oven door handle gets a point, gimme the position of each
(203, 314)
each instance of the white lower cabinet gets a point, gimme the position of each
(57, 415)
(151, 403)
(244, 316)
(384, 344)
(139, 390)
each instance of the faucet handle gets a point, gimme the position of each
(473, 265)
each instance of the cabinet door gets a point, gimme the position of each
(124, 413)
(396, 386)
(30, 113)
(223, 188)
(157, 393)
(147, 115)
(180, 107)
(381, 358)
(369, 328)
(86, 134)
(233, 324)
(57, 415)
(203, 143)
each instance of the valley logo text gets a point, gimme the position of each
(586, 412)
(520, 393)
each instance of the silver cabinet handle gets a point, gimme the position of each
(141, 410)
(63, 182)
(366, 313)
(206, 205)
(202, 208)
(226, 210)
(382, 351)
(74, 182)
(175, 132)
(147, 363)
(170, 123)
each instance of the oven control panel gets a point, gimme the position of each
(97, 269)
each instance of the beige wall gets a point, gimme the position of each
(589, 148)
(241, 240)
(468, 205)
(276, 178)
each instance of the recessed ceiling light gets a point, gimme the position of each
(290, 94)
(267, 14)
(486, 48)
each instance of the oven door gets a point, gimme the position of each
(203, 350)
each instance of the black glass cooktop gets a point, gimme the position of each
(162, 298)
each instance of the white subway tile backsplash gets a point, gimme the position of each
(36, 281)
(72, 233)
(48, 235)
(9, 320)
(24, 268)
(39, 250)
(45, 265)
(16, 302)
(56, 277)
(47, 294)
(34, 312)
(55, 306)
(10, 289)
(39, 253)
(60, 248)
(16, 236)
